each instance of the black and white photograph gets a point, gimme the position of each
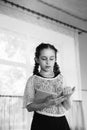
(43, 65)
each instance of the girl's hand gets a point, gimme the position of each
(48, 100)
(59, 100)
(54, 100)
(68, 91)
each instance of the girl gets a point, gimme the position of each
(45, 93)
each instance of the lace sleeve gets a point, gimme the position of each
(67, 103)
(28, 92)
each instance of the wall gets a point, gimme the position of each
(83, 66)
(83, 59)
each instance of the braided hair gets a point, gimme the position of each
(37, 54)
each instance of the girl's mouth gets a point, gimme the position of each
(48, 66)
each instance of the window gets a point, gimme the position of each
(17, 47)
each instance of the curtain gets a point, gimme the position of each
(75, 116)
(14, 117)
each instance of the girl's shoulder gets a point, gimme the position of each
(30, 78)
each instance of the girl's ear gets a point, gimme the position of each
(36, 60)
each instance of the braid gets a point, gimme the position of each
(56, 69)
(35, 70)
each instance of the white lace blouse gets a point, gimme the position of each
(48, 85)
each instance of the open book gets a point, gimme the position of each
(41, 95)
(68, 95)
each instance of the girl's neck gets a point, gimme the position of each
(47, 74)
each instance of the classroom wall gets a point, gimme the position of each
(83, 59)
(83, 67)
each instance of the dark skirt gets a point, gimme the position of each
(43, 122)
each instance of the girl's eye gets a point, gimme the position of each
(46, 59)
(51, 59)
(43, 58)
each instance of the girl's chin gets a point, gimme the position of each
(49, 71)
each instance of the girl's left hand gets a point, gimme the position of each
(67, 91)
(59, 100)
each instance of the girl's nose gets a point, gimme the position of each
(47, 61)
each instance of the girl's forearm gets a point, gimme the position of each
(36, 106)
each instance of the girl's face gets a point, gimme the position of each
(47, 59)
